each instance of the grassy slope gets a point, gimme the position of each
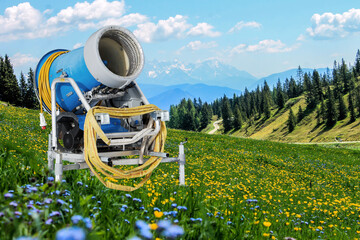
(300, 190)
(307, 130)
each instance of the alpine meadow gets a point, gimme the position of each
(179, 120)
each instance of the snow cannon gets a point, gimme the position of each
(99, 113)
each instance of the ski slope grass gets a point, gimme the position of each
(236, 189)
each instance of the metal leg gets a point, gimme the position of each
(58, 168)
(181, 165)
(50, 156)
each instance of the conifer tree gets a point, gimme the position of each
(205, 118)
(344, 76)
(280, 99)
(357, 97)
(31, 100)
(174, 117)
(237, 118)
(11, 91)
(351, 107)
(291, 121)
(322, 111)
(267, 111)
(226, 114)
(357, 63)
(336, 81)
(2, 78)
(23, 90)
(292, 88)
(317, 86)
(309, 95)
(318, 116)
(190, 123)
(299, 75)
(300, 114)
(331, 114)
(342, 110)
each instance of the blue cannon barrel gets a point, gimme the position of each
(111, 57)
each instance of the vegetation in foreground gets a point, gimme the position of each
(236, 189)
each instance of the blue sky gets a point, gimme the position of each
(261, 37)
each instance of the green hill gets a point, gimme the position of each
(307, 130)
(236, 189)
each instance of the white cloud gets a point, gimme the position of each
(240, 25)
(84, 11)
(125, 21)
(20, 17)
(203, 29)
(267, 46)
(198, 45)
(173, 27)
(19, 59)
(301, 37)
(25, 22)
(329, 25)
(78, 45)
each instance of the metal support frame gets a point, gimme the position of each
(56, 157)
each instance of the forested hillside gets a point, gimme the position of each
(307, 98)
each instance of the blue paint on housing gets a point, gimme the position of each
(73, 64)
(114, 126)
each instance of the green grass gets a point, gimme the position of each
(236, 189)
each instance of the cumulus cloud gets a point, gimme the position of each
(20, 59)
(84, 11)
(25, 22)
(198, 45)
(173, 27)
(267, 46)
(203, 29)
(78, 45)
(18, 18)
(329, 25)
(20, 21)
(240, 25)
(301, 37)
(125, 21)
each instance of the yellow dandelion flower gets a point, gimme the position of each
(267, 224)
(153, 226)
(158, 214)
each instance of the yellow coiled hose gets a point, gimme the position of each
(92, 129)
(44, 83)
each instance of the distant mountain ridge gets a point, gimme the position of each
(164, 96)
(210, 72)
(166, 83)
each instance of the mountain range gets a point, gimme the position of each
(165, 83)
(164, 96)
(210, 72)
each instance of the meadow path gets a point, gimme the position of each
(216, 126)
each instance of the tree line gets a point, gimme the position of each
(16, 92)
(324, 93)
(190, 115)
